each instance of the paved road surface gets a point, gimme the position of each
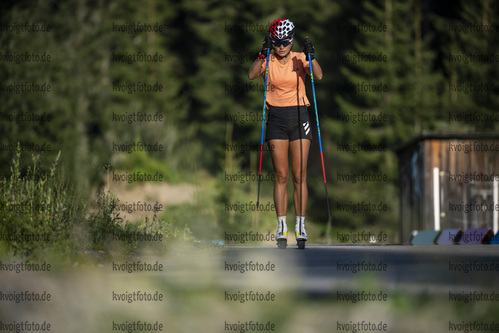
(412, 268)
(205, 289)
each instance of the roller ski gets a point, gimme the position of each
(282, 234)
(301, 234)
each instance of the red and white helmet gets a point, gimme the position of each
(282, 29)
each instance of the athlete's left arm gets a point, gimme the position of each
(317, 70)
(309, 50)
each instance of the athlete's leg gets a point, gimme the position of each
(299, 156)
(279, 152)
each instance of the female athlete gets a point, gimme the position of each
(288, 125)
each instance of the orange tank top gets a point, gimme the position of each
(286, 83)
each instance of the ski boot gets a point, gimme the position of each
(282, 235)
(301, 235)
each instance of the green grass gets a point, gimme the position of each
(40, 212)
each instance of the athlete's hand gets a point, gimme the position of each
(267, 44)
(308, 48)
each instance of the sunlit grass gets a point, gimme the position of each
(41, 213)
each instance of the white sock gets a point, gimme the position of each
(300, 219)
(283, 220)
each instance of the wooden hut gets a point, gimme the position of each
(447, 181)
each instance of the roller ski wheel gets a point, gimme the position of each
(301, 243)
(282, 243)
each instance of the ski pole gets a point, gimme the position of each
(319, 133)
(263, 129)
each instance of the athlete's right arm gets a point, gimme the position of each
(256, 69)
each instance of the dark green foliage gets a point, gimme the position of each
(207, 49)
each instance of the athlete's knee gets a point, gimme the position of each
(281, 177)
(299, 178)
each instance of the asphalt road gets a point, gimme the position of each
(214, 289)
(321, 270)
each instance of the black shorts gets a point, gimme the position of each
(288, 123)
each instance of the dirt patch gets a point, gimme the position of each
(136, 202)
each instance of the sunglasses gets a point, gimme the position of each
(282, 42)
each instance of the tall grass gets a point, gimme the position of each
(39, 211)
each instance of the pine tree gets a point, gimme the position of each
(469, 47)
(82, 72)
(390, 85)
